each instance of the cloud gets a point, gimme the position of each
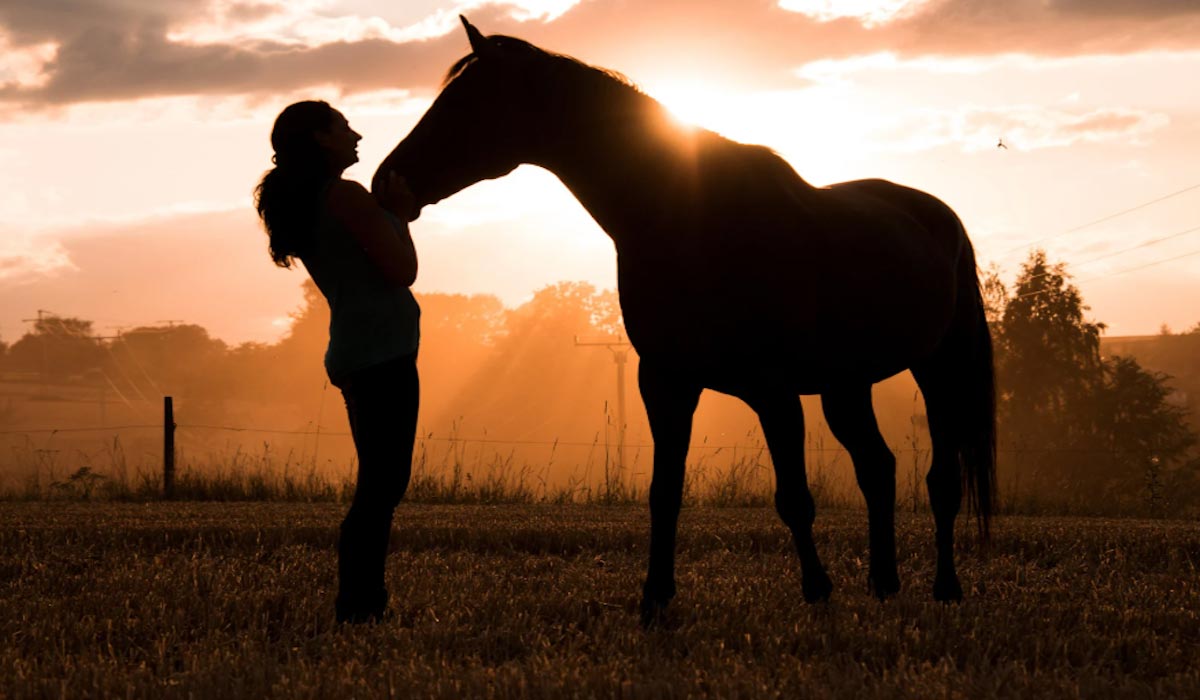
(1023, 128)
(1049, 27)
(22, 66)
(1124, 8)
(37, 21)
(123, 49)
(870, 13)
(193, 266)
(103, 66)
(135, 51)
(24, 258)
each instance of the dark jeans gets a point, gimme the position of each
(382, 405)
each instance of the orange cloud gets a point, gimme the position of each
(115, 50)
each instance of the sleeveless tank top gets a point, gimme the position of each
(371, 320)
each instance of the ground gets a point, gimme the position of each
(209, 600)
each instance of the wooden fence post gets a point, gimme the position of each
(168, 447)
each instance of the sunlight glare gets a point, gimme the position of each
(821, 131)
(693, 103)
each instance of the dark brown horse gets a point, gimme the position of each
(737, 275)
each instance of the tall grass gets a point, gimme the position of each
(450, 471)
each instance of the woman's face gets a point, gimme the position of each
(340, 142)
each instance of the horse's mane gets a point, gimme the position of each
(612, 92)
(513, 44)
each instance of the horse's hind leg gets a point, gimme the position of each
(782, 419)
(944, 480)
(851, 418)
(670, 402)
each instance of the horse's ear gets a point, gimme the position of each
(479, 43)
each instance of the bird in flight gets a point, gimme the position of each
(1000, 143)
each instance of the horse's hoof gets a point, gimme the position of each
(816, 588)
(363, 617)
(653, 613)
(947, 590)
(885, 586)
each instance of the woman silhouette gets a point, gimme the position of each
(357, 248)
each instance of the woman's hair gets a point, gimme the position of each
(286, 198)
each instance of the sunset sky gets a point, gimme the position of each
(133, 131)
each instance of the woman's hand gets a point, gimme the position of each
(393, 194)
(385, 239)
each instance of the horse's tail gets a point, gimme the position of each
(977, 387)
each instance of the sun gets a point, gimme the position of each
(818, 129)
(746, 116)
(693, 103)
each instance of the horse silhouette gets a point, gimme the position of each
(736, 275)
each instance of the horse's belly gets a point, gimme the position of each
(806, 330)
(714, 315)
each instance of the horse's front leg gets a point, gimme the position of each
(782, 418)
(670, 403)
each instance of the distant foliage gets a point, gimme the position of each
(535, 362)
(159, 360)
(57, 348)
(1078, 430)
(1178, 355)
(1074, 425)
(1048, 358)
(995, 294)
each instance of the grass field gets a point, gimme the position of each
(207, 600)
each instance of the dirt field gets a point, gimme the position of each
(235, 600)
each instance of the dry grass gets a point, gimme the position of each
(207, 600)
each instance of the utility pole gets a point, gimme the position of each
(42, 313)
(619, 347)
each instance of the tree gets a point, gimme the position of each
(309, 331)
(570, 308)
(57, 348)
(535, 383)
(459, 333)
(1176, 355)
(1047, 358)
(1089, 426)
(289, 371)
(461, 319)
(1148, 437)
(995, 294)
(176, 359)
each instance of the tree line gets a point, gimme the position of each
(1075, 427)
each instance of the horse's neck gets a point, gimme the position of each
(628, 176)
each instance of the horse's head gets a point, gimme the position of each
(480, 126)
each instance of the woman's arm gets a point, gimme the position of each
(381, 234)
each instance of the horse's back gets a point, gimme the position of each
(767, 271)
(907, 221)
